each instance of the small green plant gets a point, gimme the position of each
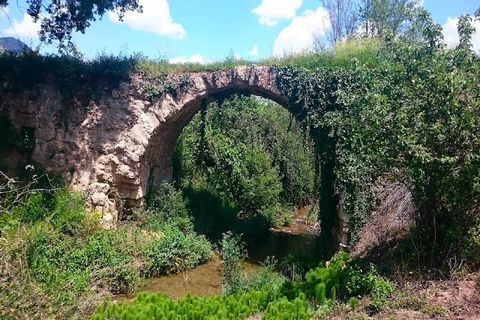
(353, 302)
(120, 279)
(297, 309)
(232, 252)
(380, 289)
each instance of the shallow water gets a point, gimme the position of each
(283, 245)
(203, 280)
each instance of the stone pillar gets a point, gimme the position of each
(98, 200)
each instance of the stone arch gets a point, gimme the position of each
(260, 81)
(143, 154)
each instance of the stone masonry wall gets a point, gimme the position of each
(117, 145)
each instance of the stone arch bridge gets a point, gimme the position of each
(124, 141)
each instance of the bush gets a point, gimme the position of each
(250, 153)
(341, 279)
(284, 309)
(238, 306)
(232, 252)
(120, 279)
(64, 209)
(68, 211)
(166, 206)
(57, 249)
(34, 209)
(471, 245)
(265, 277)
(176, 251)
(380, 290)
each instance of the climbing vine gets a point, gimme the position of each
(413, 115)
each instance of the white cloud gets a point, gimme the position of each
(254, 51)
(26, 28)
(196, 58)
(269, 12)
(155, 18)
(451, 35)
(300, 34)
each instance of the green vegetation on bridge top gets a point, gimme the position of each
(33, 64)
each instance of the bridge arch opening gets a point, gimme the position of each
(249, 134)
(160, 159)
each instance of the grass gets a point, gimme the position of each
(115, 67)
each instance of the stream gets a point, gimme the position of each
(296, 242)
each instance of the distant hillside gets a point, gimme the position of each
(12, 44)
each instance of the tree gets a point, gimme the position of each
(343, 15)
(60, 18)
(380, 17)
(372, 18)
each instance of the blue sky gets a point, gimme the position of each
(208, 30)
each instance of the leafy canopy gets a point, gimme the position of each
(60, 18)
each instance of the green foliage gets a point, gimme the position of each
(471, 245)
(341, 279)
(380, 17)
(251, 154)
(289, 310)
(156, 306)
(232, 252)
(380, 290)
(122, 278)
(380, 124)
(64, 209)
(265, 277)
(176, 251)
(166, 205)
(290, 301)
(342, 55)
(68, 211)
(59, 19)
(325, 283)
(34, 209)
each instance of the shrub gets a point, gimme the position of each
(68, 210)
(165, 205)
(250, 153)
(284, 309)
(380, 290)
(64, 209)
(34, 209)
(58, 250)
(238, 306)
(175, 251)
(232, 252)
(341, 279)
(120, 279)
(471, 245)
(265, 277)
